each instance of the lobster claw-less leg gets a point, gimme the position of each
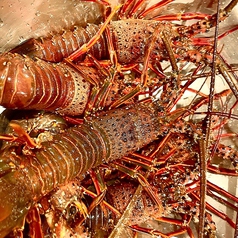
(23, 136)
(33, 218)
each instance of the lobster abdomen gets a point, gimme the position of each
(60, 46)
(40, 85)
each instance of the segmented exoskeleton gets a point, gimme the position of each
(132, 39)
(54, 87)
(26, 178)
(51, 146)
(65, 87)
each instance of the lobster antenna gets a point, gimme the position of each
(205, 146)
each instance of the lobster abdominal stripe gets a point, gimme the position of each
(110, 136)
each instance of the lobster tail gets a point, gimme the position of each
(36, 84)
(69, 41)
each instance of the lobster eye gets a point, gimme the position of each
(72, 210)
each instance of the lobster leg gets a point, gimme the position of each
(153, 232)
(106, 204)
(182, 16)
(204, 25)
(222, 201)
(231, 79)
(99, 90)
(33, 218)
(216, 212)
(142, 180)
(236, 230)
(223, 171)
(162, 3)
(100, 187)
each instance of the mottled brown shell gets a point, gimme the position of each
(132, 38)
